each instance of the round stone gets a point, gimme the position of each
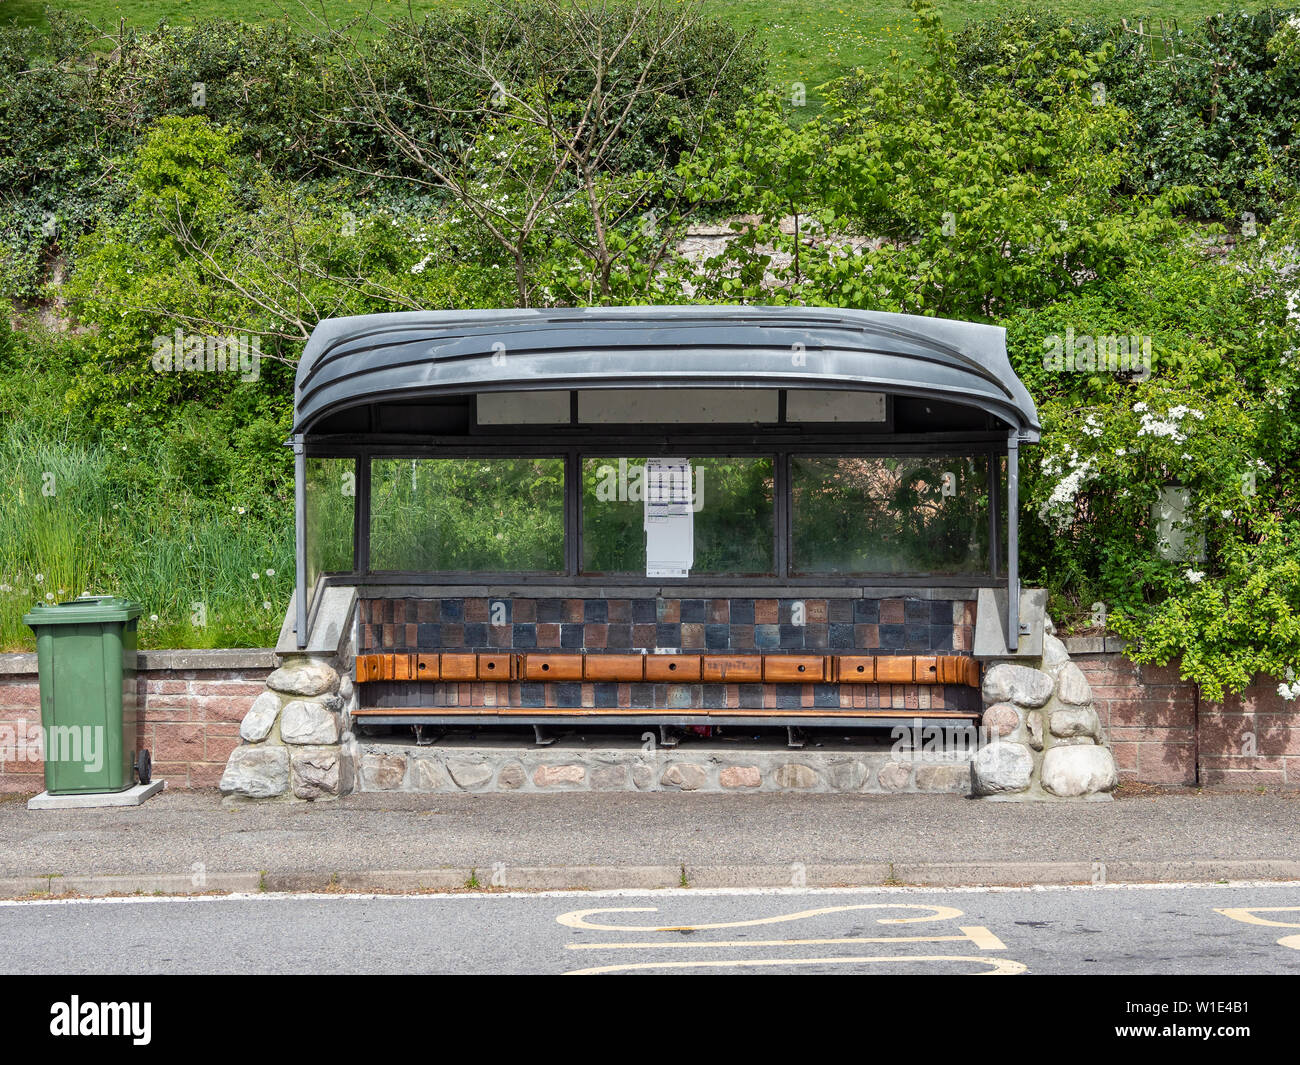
(257, 723)
(1072, 686)
(1075, 721)
(1026, 687)
(1001, 719)
(1001, 768)
(1077, 770)
(258, 772)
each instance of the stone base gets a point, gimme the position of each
(612, 763)
(131, 797)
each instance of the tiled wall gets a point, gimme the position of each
(750, 625)
(878, 626)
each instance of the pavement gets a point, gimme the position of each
(188, 842)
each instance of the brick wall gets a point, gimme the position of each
(1157, 726)
(190, 706)
(1149, 715)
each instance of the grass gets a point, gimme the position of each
(74, 520)
(810, 41)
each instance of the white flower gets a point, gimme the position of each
(1194, 576)
(1225, 514)
(40, 578)
(49, 597)
(266, 606)
(153, 617)
(270, 573)
(256, 576)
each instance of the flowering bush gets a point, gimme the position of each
(1161, 503)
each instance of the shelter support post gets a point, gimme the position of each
(300, 537)
(1013, 541)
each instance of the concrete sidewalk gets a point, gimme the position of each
(188, 842)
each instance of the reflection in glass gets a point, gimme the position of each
(467, 515)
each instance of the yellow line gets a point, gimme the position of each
(997, 966)
(982, 937)
(578, 918)
(1246, 914)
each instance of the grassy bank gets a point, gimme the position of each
(809, 41)
(82, 517)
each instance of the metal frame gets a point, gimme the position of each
(375, 359)
(572, 457)
(830, 719)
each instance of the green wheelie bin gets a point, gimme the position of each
(85, 651)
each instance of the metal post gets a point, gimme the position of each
(1013, 546)
(300, 536)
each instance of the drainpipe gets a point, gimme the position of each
(300, 536)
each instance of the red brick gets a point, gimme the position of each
(1241, 762)
(206, 774)
(1165, 765)
(20, 696)
(1149, 712)
(219, 743)
(226, 687)
(1126, 756)
(1243, 778)
(23, 767)
(178, 743)
(221, 708)
(164, 687)
(175, 773)
(1135, 734)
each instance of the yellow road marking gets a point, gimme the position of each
(997, 966)
(1289, 941)
(977, 934)
(578, 918)
(1246, 914)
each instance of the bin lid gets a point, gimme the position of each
(83, 610)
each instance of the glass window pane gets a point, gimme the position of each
(734, 519)
(912, 515)
(467, 515)
(330, 509)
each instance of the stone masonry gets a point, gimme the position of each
(1047, 738)
(295, 745)
(695, 767)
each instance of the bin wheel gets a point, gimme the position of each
(144, 767)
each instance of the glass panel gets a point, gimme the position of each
(467, 515)
(735, 515)
(330, 508)
(914, 515)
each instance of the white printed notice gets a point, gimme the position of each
(669, 518)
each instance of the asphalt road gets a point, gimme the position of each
(1163, 929)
